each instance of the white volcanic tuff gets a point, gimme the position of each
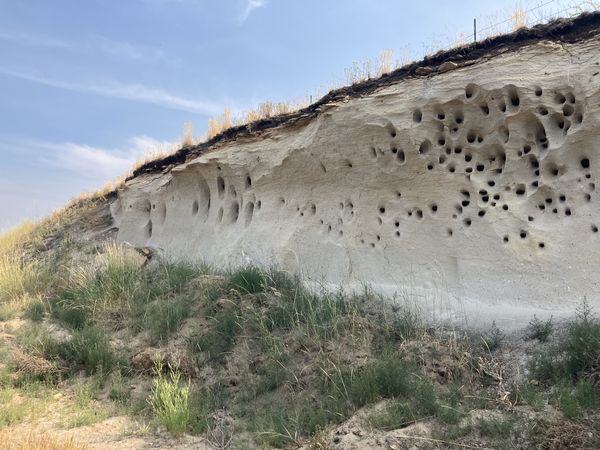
(471, 193)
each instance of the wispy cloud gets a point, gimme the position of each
(115, 89)
(108, 46)
(38, 184)
(86, 160)
(127, 50)
(110, 163)
(249, 6)
(35, 40)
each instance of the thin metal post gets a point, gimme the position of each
(474, 30)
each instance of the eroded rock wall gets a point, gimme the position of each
(471, 194)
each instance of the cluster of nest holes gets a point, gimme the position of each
(398, 153)
(232, 207)
(458, 147)
(471, 151)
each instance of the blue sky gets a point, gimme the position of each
(87, 86)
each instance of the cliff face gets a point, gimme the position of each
(469, 191)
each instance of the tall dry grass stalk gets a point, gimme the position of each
(16, 237)
(18, 276)
(37, 441)
(518, 18)
(217, 125)
(188, 134)
(112, 281)
(386, 62)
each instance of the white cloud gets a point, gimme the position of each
(115, 89)
(249, 6)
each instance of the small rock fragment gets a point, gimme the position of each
(423, 70)
(447, 66)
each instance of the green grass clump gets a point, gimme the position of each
(530, 394)
(35, 310)
(249, 280)
(11, 413)
(70, 310)
(88, 349)
(165, 316)
(119, 391)
(220, 339)
(281, 421)
(113, 284)
(405, 325)
(401, 412)
(499, 428)
(313, 312)
(387, 377)
(449, 411)
(169, 400)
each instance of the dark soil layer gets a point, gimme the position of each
(583, 27)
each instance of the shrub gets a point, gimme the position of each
(576, 354)
(30, 368)
(546, 366)
(169, 400)
(586, 396)
(567, 402)
(581, 346)
(493, 338)
(394, 415)
(36, 340)
(425, 399)
(539, 329)
(199, 412)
